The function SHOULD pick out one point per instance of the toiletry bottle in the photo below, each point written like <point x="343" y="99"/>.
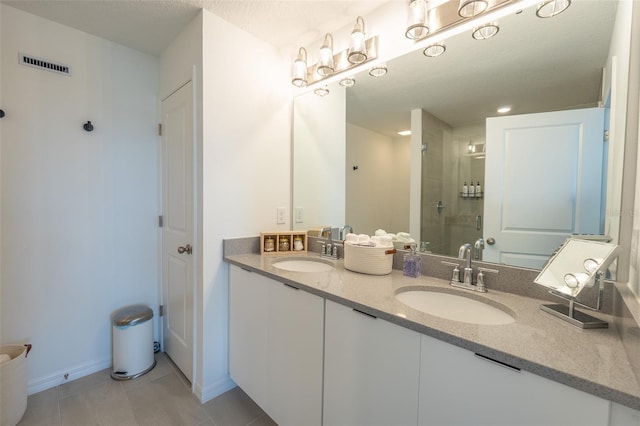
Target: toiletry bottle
<point x="478" y="190"/>
<point x="412" y="264"/>
<point x="472" y="190"/>
<point x="465" y="190"/>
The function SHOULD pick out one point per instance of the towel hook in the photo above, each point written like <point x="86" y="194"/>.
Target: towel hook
<point x="88" y="126"/>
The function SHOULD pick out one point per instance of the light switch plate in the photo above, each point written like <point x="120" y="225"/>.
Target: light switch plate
<point x="299" y="212"/>
<point x="282" y="215"/>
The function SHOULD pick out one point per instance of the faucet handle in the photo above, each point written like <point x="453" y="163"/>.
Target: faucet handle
<point x="481" y="285"/>
<point x="455" y="276"/>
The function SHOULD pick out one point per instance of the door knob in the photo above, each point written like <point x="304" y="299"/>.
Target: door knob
<point x="186" y="249"/>
<point x="491" y="241"/>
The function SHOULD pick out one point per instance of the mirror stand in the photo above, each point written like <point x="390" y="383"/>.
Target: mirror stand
<point x="572" y="315"/>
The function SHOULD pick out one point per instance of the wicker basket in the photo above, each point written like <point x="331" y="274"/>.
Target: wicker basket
<point x="368" y="260"/>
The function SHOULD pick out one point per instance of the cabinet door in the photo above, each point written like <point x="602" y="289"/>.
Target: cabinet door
<point x="371" y="370"/>
<point x="458" y="388"/>
<point x="248" y="334"/>
<point x="294" y="376"/>
<point x="623" y="416"/>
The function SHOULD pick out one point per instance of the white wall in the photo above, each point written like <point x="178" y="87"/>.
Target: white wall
<point x="79" y="217"/>
<point x="319" y="158"/>
<point x="400" y="183"/>
<point x="246" y="168"/>
<point x="369" y="189"/>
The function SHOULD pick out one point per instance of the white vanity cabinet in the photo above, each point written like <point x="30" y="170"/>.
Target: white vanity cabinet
<point x="276" y="346"/>
<point x="248" y="332"/>
<point x="459" y="388"/>
<point x="371" y="370"/>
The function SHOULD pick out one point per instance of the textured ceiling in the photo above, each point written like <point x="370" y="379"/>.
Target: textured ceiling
<point x="533" y="64"/>
<point x="150" y="25"/>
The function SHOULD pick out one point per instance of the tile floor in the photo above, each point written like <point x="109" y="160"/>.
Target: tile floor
<point x="160" y="397"/>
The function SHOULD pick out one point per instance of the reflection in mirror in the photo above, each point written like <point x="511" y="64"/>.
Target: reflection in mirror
<point x="535" y="66"/>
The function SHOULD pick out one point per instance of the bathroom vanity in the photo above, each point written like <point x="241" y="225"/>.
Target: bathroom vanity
<point x="338" y="347"/>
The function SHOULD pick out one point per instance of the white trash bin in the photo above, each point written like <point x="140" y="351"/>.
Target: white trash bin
<point x="132" y="342"/>
<point x="13" y="383"/>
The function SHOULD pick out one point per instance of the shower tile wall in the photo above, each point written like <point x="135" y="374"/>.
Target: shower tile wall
<point x="436" y="134"/>
<point x="466" y="214"/>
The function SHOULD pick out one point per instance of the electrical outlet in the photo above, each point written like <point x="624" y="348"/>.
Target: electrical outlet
<point x="299" y="214"/>
<point x="281" y="214"/>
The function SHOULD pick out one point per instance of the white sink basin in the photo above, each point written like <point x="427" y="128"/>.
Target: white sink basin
<point x="455" y="307"/>
<point x="303" y="265"/>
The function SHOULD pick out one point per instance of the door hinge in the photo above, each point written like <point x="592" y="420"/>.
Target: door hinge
<point x="161" y="310"/>
<point x="159" y="129"/>
<point x="160" y="221"/>
<point x="606" y="135"/>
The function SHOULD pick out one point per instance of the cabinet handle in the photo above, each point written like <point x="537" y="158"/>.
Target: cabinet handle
<point x="364" y="313"/>
<point x="290" y="286"/>
<point x="495" y="361"/>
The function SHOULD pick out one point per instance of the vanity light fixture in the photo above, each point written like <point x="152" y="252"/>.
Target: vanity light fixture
<point x="378" y="71"/>
<point x="357" y="48"/>
<point x="347" y="82"/>
<point x="300" y="69"/>
<point x="331" y="64"/>
<point x="434" y="50"/>
<point x="417" y="27"/>
<point x="438" y="20"/>
<point x="471" y="8"/>
<point x="549" y="8"/>
<point x="326" y="65"/>
<point x="322" y="91"/>
<point x="485" y="31"/>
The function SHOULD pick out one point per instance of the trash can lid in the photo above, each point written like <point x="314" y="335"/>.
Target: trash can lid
<point x="132" y="315"/>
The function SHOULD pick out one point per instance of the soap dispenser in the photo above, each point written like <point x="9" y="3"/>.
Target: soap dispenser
<point x="412" y="263"/>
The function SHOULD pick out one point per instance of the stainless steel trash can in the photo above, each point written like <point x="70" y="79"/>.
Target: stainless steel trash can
<point x="132" y="342"/>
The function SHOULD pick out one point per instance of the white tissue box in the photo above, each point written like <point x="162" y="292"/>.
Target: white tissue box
<point x="368" y="260"/>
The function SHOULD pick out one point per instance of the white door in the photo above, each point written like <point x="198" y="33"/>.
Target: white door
<point x="177" y="231"/>
<point x="543" y="176"/>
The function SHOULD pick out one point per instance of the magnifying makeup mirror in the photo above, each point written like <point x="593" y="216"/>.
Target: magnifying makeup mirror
<point x="576" y="265"/>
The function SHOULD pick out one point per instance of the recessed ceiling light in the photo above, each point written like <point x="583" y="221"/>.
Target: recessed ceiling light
<point x="504" y="109"/>
<point x="404" y="132"/>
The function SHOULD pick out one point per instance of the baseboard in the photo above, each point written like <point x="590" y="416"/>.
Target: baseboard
<point x="44" y="383"/>
<point x="215" y="389"/>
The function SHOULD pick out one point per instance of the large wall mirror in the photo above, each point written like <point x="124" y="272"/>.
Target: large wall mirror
<point x="551" y="72"/>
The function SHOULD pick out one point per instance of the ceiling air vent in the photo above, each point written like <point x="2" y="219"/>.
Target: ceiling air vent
<point x="43" y="64"/>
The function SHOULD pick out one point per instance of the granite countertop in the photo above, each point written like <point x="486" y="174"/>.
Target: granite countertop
<point x="593" y="360"/>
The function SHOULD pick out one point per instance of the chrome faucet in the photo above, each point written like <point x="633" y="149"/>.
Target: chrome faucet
<point x="467" y="281"/>
<point x="323" y="230"/>
<point x="346" y="229"/>
<point x="465" y="253"/>
<point x="477" y="248"/>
